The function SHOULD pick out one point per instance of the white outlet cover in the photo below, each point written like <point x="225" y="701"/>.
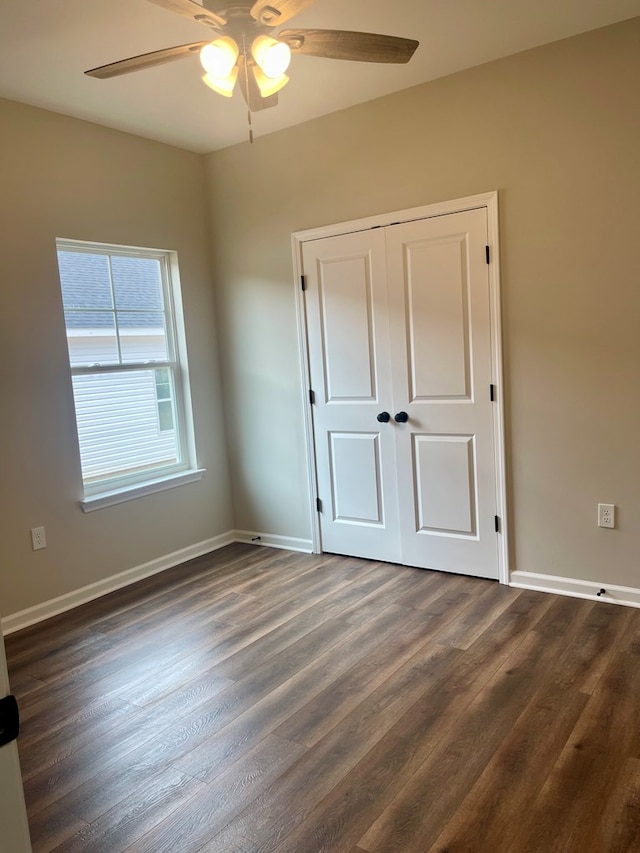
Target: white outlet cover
<point x="38" y="538"/>
<point x="606" y="515"/>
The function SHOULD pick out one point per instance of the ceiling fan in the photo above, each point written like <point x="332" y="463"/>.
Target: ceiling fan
<point x="245" y="51"/>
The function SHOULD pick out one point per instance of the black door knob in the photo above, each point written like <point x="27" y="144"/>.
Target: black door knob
<point x="383" y="417"/>
<point x="401" y="418"/>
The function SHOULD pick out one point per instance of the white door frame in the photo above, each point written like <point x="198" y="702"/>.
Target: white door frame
<point x="484" y="200"/>
<point x="14" y="835"/>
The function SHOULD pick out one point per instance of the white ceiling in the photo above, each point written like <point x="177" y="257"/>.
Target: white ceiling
<point x="45" y="45"/>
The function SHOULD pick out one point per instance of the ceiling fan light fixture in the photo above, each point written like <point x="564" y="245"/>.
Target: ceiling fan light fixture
<point x="219" y="57"/>
<point x="268" y="85"/>
<point x="272" y="56"/>
<point x="222" y="85"/>
<point x="242" y="51"/>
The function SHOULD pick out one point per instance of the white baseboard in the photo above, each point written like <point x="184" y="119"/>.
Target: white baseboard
<point x="627" y="595"/>
<point x="271" y="540"/>
<point x="43" y="611"/>
<point x="39" y="612"/>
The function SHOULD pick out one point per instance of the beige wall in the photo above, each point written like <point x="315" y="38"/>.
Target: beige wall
<point x="60" y="177"/>
<point x="556" y="131"/>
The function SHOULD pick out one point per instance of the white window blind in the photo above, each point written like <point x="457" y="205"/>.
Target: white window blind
<point x="129" y="380"/>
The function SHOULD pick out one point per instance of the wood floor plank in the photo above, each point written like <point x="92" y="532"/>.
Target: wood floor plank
<point x="344" y="648"/>
<point x="51" y="826"/>
<point x="520" y="767"/>
<point x="485" y="608"/>
<point x="179" y="686"/>
<point x="32" y="641"/>
<point x="109" y="677"/>
<point x="302" y="618"/>
<point x="103" y="791"/>
<point x="567" y="813"/>
<point x="454" y="755"/>
<point x="271" y="819"/>
<point x="562" y="616"/>
<point x="76" y="628"/>
<point x="123" y="664"/>
<point x="105" y="752"/>
<point x="175" y="739"/>
<point x="618" y="830"/>
<point x="588" y="656"/>
<point x="345" y="814"/>
<point x="195" y="603"/>
<point x="225" y="641"/>
<point x="515" y="773"/>
<point x="123" y="824"/>
<point x="261" y="701"/>
<point x="318" y="716"/>
<point x="390" y="589"/>
<point x="74" y="654"/>
<point x="42" y="749"/>
<point x="426" y="586"/>
<point x="23" y="685"/>
<point x="207" y="813"/>
<point x="227" y="841"/>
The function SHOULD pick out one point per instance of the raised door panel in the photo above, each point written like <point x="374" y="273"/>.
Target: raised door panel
<point x="345" y="298"/>
<point x="354" y="469"/>
<point x="444" y="481"/>
<point x="438" y="318"/>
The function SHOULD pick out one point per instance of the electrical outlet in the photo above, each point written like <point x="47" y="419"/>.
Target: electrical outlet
<point x="606" y="515"/>
<point x="38" y="538"/>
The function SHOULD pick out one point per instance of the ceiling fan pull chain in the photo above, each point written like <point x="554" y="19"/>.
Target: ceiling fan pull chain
<point x="246" y="80"/>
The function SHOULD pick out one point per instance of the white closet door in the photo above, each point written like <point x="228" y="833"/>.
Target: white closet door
<point x="348" y="337"/>
<point x="441" y="367"/>
<point x="399" y="322"/>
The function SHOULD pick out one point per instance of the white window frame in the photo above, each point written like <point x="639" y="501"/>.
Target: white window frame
<point x="160" y="401"/>
<point x="108" y="491"/>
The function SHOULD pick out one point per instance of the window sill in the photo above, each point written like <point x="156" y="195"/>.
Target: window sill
<point x="118" y="496"/>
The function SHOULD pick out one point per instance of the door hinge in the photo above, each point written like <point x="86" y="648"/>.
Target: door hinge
<point x="496" y="522"/>
<point x="303" y="285"/>
<point x="492" y="393"/>
<point x="312" y="397"/>
<point x="318" y="505"/>
<point x="487" y="254"/>
<point x="9" y="720"/>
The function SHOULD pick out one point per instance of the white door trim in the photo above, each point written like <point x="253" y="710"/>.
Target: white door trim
<point x="13" y="813"/>
<point x="484" y="200"/>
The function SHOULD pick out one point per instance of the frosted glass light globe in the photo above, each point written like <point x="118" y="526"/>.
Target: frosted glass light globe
<point x="272" y="56"/>
<point x="219" y="57"/>
<point x="268" y="85"/>
<point x="222" y="85"/>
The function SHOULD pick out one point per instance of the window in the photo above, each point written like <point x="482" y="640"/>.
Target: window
<point x="165" y="399"/>
<point x="128" y="369"/>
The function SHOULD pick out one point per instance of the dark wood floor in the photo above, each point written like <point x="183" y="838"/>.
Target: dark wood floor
<point x="257" y="700"/>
